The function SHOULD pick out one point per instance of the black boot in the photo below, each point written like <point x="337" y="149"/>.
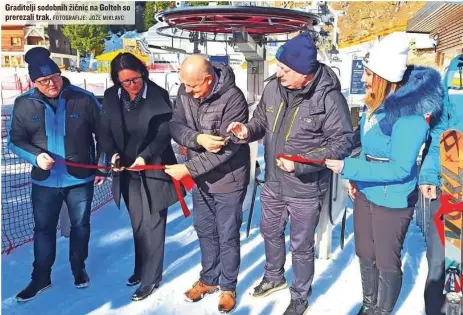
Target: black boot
<point x="297" y="307"/>
<point x="389" y="287"/>
<point x="133" y="280"/>
<point x="143" y="292"/>
<point x="370" y="275"/>
<point x="266" y="287"/>
<point x="33" y="288"/>
<point x="81" y="279"/>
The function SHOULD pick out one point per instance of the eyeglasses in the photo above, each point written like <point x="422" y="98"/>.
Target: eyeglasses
<point x="47" y="82"/>
<point x="129" y="82"/>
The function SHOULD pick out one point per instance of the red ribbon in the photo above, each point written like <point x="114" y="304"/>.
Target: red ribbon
<point x="186" y="181"/>
<point x="446" y="207"/>
<point x="298" y="159"/>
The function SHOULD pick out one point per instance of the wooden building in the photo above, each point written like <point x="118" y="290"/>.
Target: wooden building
<point x="443" y="21"/>
<point x="13" y="40"/>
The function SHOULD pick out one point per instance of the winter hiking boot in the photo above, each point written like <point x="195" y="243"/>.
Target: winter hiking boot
<point x="199" y="290"/>
<point x="143" y="292"/>
<point x="33" y="288"/>
<point x="227" y="301"/>
<point x="370" y="276"/>
<point x="133" y="280"/>
<point x="81" y="279"/>
<point x="266" y="287"/>
<point x="297" y="307"/>
<point x="389" y="287"/>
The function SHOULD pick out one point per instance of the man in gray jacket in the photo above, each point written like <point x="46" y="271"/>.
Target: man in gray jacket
<point x="302" y="113"/>
<point x="207" y="102"/>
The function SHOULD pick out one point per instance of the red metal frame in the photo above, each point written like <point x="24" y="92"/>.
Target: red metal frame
<point x="226" y="19"/>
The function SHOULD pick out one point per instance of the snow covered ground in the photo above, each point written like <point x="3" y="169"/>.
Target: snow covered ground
<point x="336" y="287"/>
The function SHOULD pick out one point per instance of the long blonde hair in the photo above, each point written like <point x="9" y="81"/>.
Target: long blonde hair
<point x="381" y="89"/>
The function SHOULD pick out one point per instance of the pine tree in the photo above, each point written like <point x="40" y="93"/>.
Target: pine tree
<point x="85" y="38"/>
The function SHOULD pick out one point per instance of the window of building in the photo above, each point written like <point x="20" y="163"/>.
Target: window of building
<point x="15" y="41"/>
<point x="57" y="43"/>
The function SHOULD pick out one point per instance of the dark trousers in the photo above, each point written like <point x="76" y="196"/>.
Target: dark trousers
<point x="434" y="299"/>
<point x="217" y="219"/>
<point x="380" y="233"/>
<point x="304" y="214"/>
<point x="46" y="207"/>
<point x="149" y="230"/>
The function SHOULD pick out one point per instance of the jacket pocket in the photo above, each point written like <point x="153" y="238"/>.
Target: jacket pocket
<point x="304" y="127"/>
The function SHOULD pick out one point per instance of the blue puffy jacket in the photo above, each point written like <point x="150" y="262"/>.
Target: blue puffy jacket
<point x="386" y="171"/>
<point x="451" y="118"/>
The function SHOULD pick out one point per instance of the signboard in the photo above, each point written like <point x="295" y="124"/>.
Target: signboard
<point x="356" y="84"/>
<point x="221" y="59"/>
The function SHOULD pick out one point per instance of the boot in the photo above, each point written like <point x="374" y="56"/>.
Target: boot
<point x="143" y="292"/>
<point x="33" y="288"/>
<point x="227" y="301"/>
<point x="370" y="275"/>
<point x="266" y="287"/>
<point x="389" y="287"/>
<point x="199" y="290"/>
<point x="133" y="280"/>
<point x="81" y="279"/>
<point x="297" y="307"/>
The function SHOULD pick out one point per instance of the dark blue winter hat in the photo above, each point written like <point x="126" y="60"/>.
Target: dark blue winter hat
<point x="39" y="63"/>
<point x="300" y="54"/>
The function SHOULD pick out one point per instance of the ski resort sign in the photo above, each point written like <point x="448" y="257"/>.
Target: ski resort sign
<point x="356" y="84"/>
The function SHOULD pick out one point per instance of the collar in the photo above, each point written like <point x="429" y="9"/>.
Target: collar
<point x="145" y="91"/>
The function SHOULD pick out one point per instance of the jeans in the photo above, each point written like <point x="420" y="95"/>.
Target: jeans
<point x="46" y="205"/>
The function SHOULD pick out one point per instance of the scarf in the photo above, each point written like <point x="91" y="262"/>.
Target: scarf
<point x="127" y="102"/>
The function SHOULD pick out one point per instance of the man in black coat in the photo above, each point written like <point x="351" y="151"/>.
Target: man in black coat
<point x="207" y="102"/>
<point x="303" y="113"/>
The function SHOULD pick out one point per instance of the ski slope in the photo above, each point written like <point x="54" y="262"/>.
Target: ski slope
<point x="336" y="286"/>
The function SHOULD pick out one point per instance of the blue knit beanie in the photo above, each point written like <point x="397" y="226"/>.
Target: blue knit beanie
<point x="39" y="63"/>
<point x="299" y="54"/>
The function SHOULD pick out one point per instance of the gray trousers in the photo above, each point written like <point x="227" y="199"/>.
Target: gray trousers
<point x="304" y="215"/>
<point x="217" y="219"/>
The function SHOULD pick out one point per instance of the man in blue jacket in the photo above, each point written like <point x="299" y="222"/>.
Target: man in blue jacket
<point x="430" y="182"/>
<point x="50" y="124"/>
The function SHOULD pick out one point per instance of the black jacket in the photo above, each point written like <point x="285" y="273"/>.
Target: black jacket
<point x="66" y="133"/>
<point x="316" y="125"/>
<point x="154" y="143"/>
<point x="228" y="170"/>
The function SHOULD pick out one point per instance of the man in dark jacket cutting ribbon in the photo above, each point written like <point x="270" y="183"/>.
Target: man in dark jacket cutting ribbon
<point x="207" y="102"/>
<point x="302" y="114"/>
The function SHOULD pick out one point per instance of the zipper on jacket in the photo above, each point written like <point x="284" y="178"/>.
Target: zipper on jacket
<point x="291" y="124"/>
<point x="278" y="115"/>
<point x="385" y="190"/>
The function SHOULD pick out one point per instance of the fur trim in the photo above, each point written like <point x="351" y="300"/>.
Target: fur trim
<point x="422" y="94"/>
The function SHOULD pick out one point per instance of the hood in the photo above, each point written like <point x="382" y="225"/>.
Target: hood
<point x="325" y="80"/>
<point x="422" y="94"/>
<point x="226" y="78"/>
